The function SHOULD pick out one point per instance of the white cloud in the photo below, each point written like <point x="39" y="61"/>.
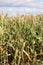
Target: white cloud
<point x="15" y="1"/>
<point x="32" y="3"/>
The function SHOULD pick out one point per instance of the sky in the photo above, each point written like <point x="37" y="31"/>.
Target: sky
<point x="21" y="6"/>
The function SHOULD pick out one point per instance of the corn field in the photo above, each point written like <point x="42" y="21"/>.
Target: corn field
<point x="21" y="40"/>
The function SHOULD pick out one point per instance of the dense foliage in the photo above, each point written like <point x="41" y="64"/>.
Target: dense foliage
<point x="21" y="40"/>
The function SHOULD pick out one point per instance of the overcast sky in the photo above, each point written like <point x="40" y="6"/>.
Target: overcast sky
<point x="21" y="6"/>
